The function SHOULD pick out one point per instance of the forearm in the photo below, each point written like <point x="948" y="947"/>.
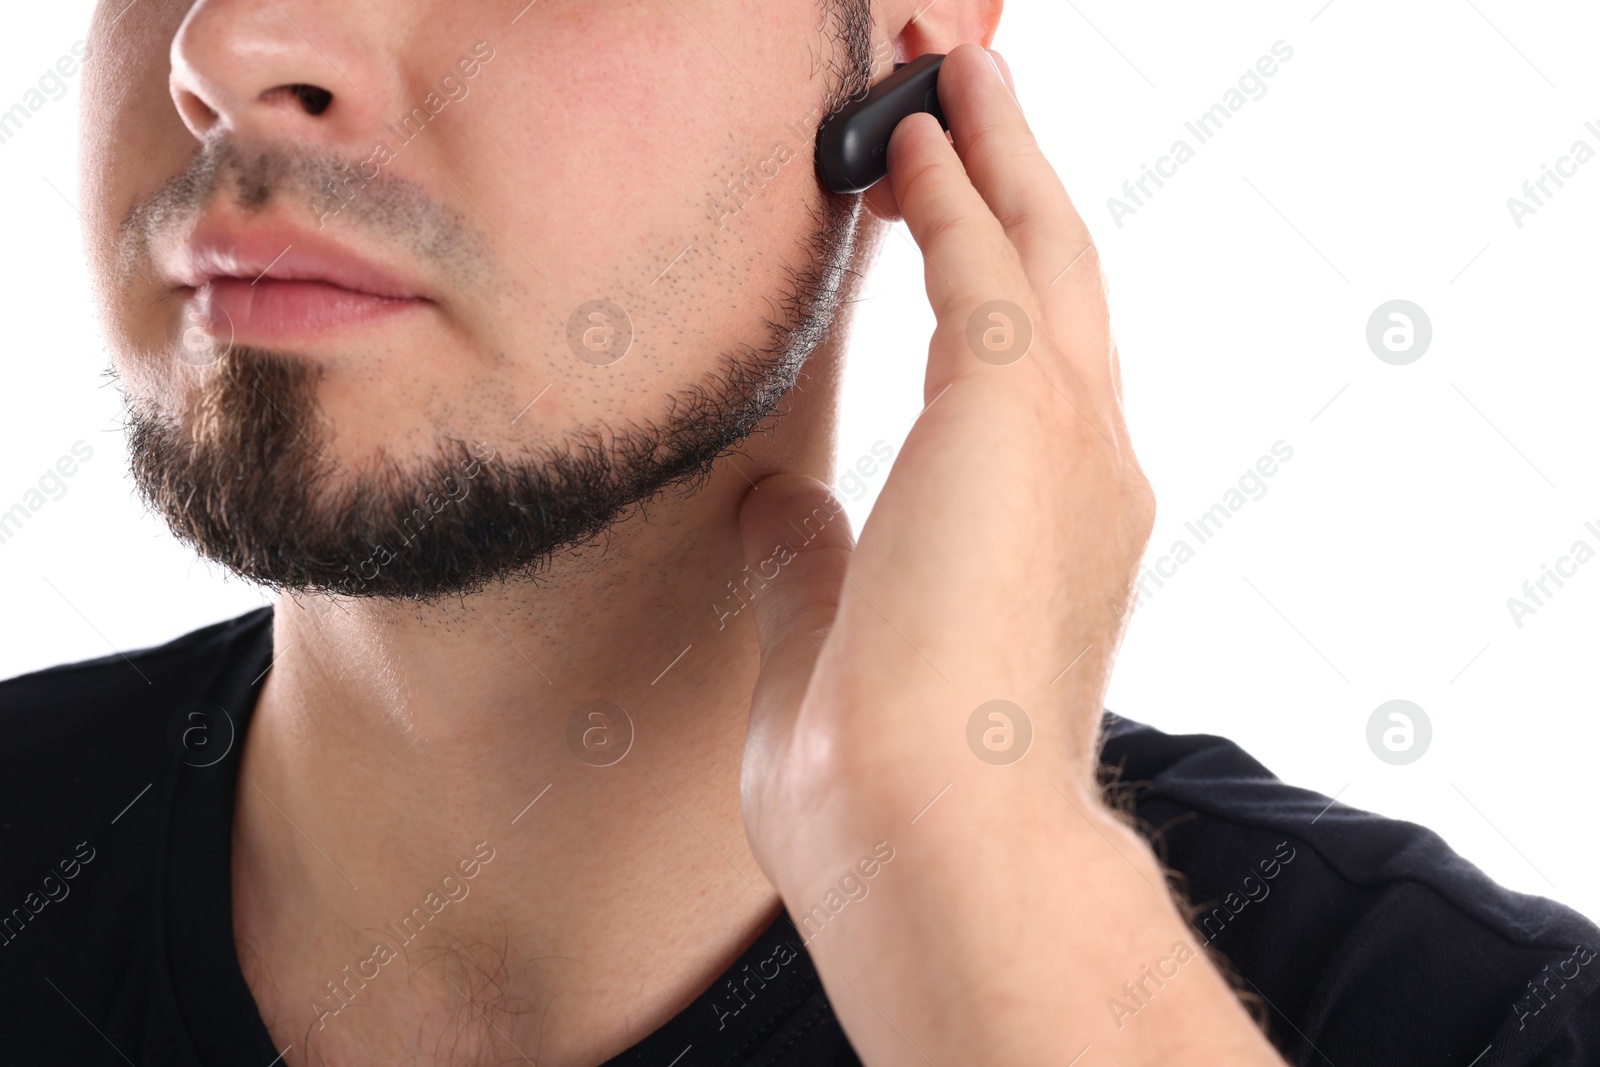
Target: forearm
<point x="1031" y="948"/>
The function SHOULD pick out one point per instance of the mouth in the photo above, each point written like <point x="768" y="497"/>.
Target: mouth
<point x="277" y="285"/>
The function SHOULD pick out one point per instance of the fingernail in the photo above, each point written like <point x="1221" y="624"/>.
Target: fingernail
<point x="994" y="61"/>
<point x="1002" y="70"/>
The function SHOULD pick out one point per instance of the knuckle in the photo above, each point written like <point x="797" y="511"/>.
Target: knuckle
<point x="990" y="140"/>
<point x="921" y="176"/>
<point x="1140" y="508"/>
<point x="940" y="226"/>
<point x="1146" y="504"/>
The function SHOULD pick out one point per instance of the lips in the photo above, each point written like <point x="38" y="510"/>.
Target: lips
<point x="281" y="285"/>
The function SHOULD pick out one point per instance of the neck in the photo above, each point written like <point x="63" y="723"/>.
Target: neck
<point x="393" y="745"/>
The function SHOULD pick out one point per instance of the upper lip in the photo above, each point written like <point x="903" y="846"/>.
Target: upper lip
<point x="216" y="252"/>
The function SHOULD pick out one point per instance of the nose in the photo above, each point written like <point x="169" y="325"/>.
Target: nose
<point x="282" y="70"/>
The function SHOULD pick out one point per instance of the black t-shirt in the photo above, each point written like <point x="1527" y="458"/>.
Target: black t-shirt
<point x="1360" y="940"/>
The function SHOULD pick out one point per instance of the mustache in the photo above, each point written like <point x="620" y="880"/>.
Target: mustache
<point x="324" y="188"/>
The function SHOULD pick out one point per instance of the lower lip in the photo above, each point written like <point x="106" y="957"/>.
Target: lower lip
<point x="270" y="311"/>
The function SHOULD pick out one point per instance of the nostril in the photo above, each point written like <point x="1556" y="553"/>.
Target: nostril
<point x="196" y="113"/>
<point x="313" y="98"/>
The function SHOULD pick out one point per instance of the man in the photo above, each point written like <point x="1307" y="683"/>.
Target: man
<point x="503" y="342"/>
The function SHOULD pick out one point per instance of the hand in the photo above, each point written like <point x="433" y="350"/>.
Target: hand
<point x="997" y="565"/>
<point x="1005" y="540"/>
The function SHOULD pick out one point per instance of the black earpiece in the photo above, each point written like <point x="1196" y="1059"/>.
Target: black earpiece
<point x="853" y="144"/>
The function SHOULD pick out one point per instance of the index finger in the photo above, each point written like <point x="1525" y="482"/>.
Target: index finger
<point x="1021" y="188"/>
<point x="969" y="259"/>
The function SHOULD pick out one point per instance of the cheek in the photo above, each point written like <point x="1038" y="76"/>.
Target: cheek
<point x="621" y="158"/>
<point x="126" y="103"/>
<point x="651" y="174"/>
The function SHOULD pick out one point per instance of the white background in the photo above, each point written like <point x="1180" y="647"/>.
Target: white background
<point x="1379" y="562"/>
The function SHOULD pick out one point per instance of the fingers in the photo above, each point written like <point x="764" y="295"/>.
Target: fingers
<point x="1006" y="165"/>
<point x="880" y="197"/>
<point x="797" y="543"/>
<point x="1007" y="168"/>
<point x="996" y="228"/>
<point x="968" y="257"/>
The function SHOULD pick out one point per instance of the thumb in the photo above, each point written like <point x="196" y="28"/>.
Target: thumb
<point x="797" y="544"/>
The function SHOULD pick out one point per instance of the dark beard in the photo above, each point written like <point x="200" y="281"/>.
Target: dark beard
<point x="249" y="483"/>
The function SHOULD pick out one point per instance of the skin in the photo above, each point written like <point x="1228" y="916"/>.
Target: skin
<point x="389" y="740"/>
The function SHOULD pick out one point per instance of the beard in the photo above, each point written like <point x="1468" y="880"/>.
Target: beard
<point x="245" y="475"/>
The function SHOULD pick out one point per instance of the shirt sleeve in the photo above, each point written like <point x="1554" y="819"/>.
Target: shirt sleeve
<point x="1356" y="939"/>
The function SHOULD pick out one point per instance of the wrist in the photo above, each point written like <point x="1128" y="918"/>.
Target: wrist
<point x="1015" y="944"/>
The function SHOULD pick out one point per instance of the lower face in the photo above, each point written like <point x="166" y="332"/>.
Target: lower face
<point x="614" y="255"/>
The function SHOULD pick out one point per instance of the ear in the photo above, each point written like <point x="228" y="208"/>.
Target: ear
<point x="922" y="26"/>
